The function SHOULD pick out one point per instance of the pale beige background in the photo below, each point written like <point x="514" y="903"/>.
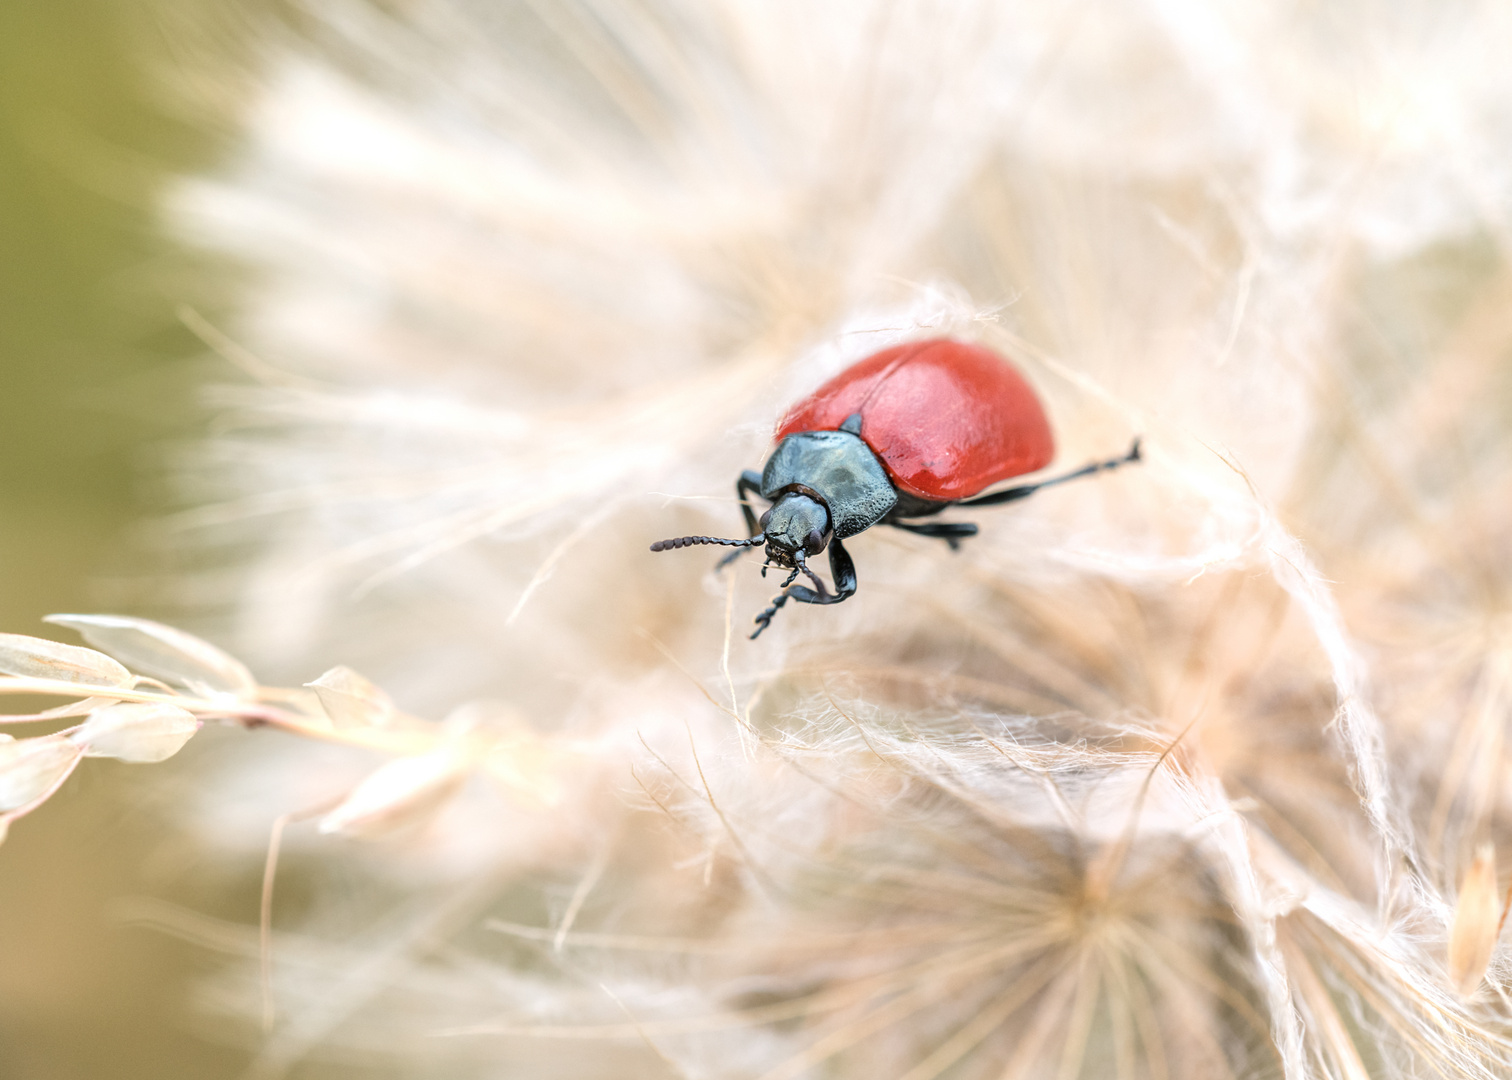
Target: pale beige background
<point x="93" y="375"/>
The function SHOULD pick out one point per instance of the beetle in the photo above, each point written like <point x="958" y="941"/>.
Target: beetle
<point x="893" y="438"/>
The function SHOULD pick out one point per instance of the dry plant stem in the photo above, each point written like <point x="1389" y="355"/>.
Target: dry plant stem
<point x="249" y="714"/>
<point x="645" y="1035"/>
<point x="265" y="907"/>
<point x="1330" y="1028"/>
<point x="1101" y="874"/>
<point x="927" y="933"/>
<point x="76" y="708"/>
<point x="985" y="1022"/>
<point x="580" y="897"/>
<point x="962" y="961"/>
<point x="549" y="564"/>
<point x="265" y="918"/>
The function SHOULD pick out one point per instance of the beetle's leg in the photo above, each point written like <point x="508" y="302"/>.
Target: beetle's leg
<point x="952" y="532"/>
<point x="765" y="618"/>
<point x="841" y="569"/>
<point x="1010" y="494"/>
<point x="750" y="481"/>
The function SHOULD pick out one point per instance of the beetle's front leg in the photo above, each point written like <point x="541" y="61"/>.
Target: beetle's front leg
<point x="749" y="483"/>
<point x="842" y="569"/>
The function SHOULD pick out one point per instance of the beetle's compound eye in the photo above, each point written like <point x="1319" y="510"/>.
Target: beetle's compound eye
<point x="813" y="543"/>
<point x="766" y="518"/>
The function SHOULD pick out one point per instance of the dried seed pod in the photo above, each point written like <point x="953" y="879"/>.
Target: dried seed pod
<point x="1477" y="922"/>
<point x="400" y="794"/>
<point x="38" y="658"/>
<point x="142" y="733"/>
<point x="163" y="652"/>
<point x="30" y="768"/>
<point x="350" y="700"/>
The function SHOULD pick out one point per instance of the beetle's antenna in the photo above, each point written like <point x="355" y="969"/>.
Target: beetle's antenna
<point x="691" y="541"/>
<point x="737" y="553"/>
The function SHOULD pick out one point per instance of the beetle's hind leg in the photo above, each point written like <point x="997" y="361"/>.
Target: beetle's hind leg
<point x="749" y="482"/>
<point x="997" y="498"/>
<point x="952" y="532"/>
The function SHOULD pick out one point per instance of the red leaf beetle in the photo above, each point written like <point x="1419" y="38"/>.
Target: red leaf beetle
<point x="900" y="435"/>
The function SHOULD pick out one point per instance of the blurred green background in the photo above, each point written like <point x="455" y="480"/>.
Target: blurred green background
<point x="94" y="374"/>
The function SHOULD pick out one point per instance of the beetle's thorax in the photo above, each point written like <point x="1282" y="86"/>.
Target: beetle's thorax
<point x="834" y="470"/>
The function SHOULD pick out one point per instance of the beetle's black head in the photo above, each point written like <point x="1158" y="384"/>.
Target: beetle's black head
<point x="796" y="528"/>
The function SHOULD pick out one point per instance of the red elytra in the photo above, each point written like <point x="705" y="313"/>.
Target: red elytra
<point x="945" y="418"/>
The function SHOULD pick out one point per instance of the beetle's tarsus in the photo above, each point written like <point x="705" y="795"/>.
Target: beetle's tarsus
<point x="765" y="618"/>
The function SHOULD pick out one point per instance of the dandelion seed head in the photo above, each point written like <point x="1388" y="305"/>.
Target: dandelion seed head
<point x="1182" y="772"/>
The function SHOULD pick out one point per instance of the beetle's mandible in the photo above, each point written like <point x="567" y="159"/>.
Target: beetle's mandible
<point x="893" y="438"/>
